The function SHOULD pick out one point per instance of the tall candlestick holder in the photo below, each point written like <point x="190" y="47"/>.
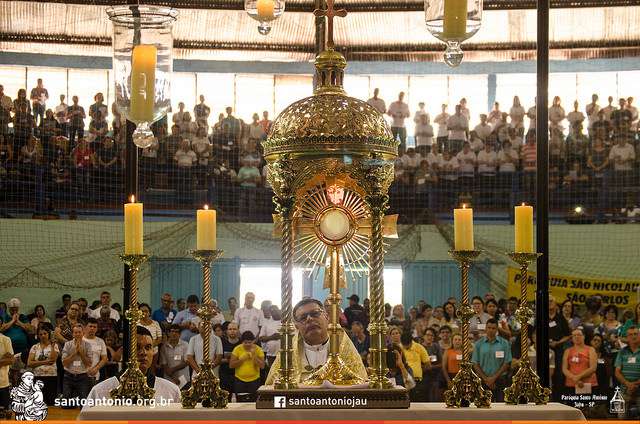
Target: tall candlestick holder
<point x="205" y="387"/>
<point x="133" y="383"/>
<point x="526" y="385"/>
<point x="466" y="386"/>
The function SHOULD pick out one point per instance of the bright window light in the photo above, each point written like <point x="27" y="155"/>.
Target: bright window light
<point x="264" y="282"/>
<point x="393" y="285"/>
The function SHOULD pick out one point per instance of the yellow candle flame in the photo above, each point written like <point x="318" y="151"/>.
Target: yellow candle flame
<point x="133" y="199"/>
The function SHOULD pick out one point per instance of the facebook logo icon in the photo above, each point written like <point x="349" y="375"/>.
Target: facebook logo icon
<point x="279" y="401"/>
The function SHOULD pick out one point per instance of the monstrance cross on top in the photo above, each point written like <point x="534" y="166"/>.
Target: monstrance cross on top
<point x="330" y="13"/>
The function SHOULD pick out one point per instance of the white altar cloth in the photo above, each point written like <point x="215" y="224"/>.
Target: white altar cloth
<point x="417" y="411"/>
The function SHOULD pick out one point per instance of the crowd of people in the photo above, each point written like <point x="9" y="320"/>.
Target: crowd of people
<point x="593" y="348"/>
<point x="68" y="154"/>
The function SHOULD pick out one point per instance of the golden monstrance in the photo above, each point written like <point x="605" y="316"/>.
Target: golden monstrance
<point x="330" y="159"/>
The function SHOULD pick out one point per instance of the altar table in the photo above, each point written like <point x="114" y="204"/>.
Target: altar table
<point x="417" y="411"/>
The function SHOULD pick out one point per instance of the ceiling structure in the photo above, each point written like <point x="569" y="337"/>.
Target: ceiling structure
<point x="375" y="30"/>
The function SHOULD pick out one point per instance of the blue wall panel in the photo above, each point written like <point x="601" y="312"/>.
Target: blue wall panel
<point x="435" y="281"/>
<point x="357" y="285"/>
<point x="182" y="277"/>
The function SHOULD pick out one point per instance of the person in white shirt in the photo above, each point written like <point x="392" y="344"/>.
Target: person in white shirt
<point x="165" y="390"/>
<point x="449" y="167"/>
<point x="105" y="300"/>
<point x="60" y="113"/>
<point x="592" y="110"/>
<point x="475" y="142"/>
<point x="556" y="114"/>
<point x="270" y="336"/>
<point x="507" y="159"/>
<point x="401" y="177"/>
<point x="178" y="116"/>
<point x="517" y="114"/>
<point x="185" y="157"/>
<point x="377" y="103"/>
<point x="443" y="131"/>
<point x="531" y="114"/>
<point x="97" y="352"/>
<point x="501" y="128"/>
<point x="622" y="155"/>
<point x="195" y="351"/>
<point x="249" y="318"/>
<point x="410" y="160"/>
<point x="464" y="110"/>
<point x="76" y="361"/>
<point x="575" y="116"/>
<point x="458" y="126"/>
<point x="515" y="139"/>
<point x="399" y="111"/>
<point x="634" y="113"/>
<point x="608" y="110"/>
<point x="420" y="113"/>
<point x="467" y="161"/>
<point x="173" y="357"/>
<point x="483" y="129"/>
<point x="423" y="134"/>
<point x="434" y="158"/>
<point x="495" y="115"/>
<point x="448" y="177"/>
<point x="487" y="162"/>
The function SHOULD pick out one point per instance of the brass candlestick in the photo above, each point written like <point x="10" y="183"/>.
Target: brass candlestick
<point x="285" y="201"/>
<point x="334" y="370"/>
<point x="526" y="385"/>
<point x="378" y="201"/>
<point x="133" y="383"/>
<point x="205" y="387"/>
<point x="466" y="386"/>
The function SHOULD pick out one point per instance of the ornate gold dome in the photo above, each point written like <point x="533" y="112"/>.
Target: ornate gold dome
<point x="329" y="122"/>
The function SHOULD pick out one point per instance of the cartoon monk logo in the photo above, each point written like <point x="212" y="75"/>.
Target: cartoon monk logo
<point x="27" y="400"/>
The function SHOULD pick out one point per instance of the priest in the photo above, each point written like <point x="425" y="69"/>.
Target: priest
<point x="311" y="344"/>
<point x="165" y="390"/>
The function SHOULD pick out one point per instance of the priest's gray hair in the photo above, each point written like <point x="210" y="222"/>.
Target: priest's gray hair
<point x="306" y="301"/>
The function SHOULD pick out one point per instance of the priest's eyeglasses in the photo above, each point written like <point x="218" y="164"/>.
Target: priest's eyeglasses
<point x="313" y="314"/>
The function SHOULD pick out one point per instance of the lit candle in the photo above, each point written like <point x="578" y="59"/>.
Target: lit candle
<point x="266" y="9"/>
<point x="524" y="229"/>
<point x="133" y="228"/>
<point x="455" y="19"/>
<point x="206" y="234"/>
<point x="143" y="81"/>
<point x="463" y="228"/>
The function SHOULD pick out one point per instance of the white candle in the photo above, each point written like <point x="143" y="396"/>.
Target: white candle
<point x="463" y="228"/>
<point x="524" y="229"/>
<point x="133" y="230"/>
<point x="206" y="229"/>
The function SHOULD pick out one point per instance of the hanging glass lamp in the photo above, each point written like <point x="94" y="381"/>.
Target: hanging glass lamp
<point x="142" y="64"/>
<point x="265" y="12"/>
<point x="453" y="21"/>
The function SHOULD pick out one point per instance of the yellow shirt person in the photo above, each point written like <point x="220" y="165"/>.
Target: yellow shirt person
<point x="416" y="355"/>
<point x="247" y="360"/>
<point x="248" y="369"/>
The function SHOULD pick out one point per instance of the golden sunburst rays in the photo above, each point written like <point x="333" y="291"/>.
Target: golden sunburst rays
<point x="311" y="251"/>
